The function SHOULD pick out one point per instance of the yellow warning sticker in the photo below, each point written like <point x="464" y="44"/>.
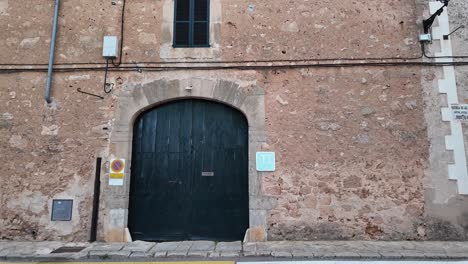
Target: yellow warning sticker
<point x="116" y="175"/>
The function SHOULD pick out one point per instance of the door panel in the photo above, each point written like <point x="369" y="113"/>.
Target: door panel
<point x="189" y="173"/>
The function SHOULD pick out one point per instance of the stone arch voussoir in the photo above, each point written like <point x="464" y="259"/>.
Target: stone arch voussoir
<point x="136" y="99"/>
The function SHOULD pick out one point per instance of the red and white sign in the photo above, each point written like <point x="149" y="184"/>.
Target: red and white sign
<point x="116" y="172"/>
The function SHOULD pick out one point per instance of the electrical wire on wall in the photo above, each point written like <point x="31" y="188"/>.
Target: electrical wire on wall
<point x="243" y="67"/>
<point x="107" y="86"/>
<point x="440" y="57"/>
<point x="394" y="60"/>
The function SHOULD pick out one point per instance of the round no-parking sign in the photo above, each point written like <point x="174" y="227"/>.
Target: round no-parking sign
<point x="117" y="172"/>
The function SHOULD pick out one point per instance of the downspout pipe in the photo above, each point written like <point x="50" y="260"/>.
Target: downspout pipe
<point x="52" y="53"/>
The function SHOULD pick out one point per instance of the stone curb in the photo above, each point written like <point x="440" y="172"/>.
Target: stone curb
<point x="319" y="250"/>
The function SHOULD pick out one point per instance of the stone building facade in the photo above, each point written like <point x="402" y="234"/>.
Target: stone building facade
<point x="338" y="90"/>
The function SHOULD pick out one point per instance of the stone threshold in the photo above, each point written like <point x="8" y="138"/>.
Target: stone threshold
<point x="196" y="250"/>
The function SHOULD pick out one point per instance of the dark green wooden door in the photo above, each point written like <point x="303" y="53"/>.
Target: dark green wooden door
<point x="189" y="173"/>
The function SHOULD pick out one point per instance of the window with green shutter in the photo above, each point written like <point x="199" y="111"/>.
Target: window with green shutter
<point x="191" y="23"/>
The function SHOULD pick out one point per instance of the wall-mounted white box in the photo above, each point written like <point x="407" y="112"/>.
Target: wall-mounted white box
<point x="110" y="47"/>
<point x="425" y="38"/>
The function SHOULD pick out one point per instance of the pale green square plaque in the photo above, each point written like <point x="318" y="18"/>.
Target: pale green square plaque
<point x="266" y="161"/>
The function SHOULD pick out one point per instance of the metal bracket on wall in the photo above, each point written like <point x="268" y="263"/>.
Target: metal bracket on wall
<point x="83" y="92"/>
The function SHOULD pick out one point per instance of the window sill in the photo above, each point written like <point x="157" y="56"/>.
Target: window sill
<point x="188" y="47"/>
<point x="169" y="52"/>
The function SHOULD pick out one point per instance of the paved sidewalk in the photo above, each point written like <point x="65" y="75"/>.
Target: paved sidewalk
<point x="147" y="251"/>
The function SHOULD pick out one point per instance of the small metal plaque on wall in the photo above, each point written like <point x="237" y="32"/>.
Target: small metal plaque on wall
<point x="266" y="161"/>
<point x="62" y="210"/>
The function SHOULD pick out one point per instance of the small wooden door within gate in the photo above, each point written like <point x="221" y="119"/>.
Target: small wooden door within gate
<point x="189" y="177"/>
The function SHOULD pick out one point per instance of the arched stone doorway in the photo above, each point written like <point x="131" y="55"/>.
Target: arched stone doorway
<point x="136" y="99"/>
<point x="189" y="178"/>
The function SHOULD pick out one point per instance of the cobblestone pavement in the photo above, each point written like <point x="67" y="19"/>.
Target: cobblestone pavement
<point x="148" y="251"/>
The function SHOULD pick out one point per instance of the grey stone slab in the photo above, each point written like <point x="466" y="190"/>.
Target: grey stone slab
<point x="202" y="246"/>
<point x="16" y="251"/>
<point x="302" y="254"/>
<point x="18" y="257"/>
<point x="107" y="247"/>
<point x="435" y="255"/>
<point x="326" y="254"/>
<point x="249" y="246"/>
<point x="415" y="254"/>
<point x="141" y="255"/>
<point x="214" y="254"/>
<point x="177" y="254"/>
<point x="160" y="254"/>
<point x="184" y="246"/>
<point x="281" y="254"/>
<point x="203" y="254"/>
<point x="457" y="255"/>
<point x="229" y="254"/>
<point x="55" y="257"/>
<point x="263" y="253"/>
<point x="77" y="244"/>
<point x="390" y="254"/>
<point x="100" y="254"/>
<point x="346" y="254"/>
<point x="165" y="247"/>
<point x="229" y="246"/>
<point x="139" y="246"/>
<point x="369" y="254"/>
<point x="269" y="246"/>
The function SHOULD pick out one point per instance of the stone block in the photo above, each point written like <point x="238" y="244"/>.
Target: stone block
<point x="412" y="253"/>
<point x="201" y="254"/>
<point x="106" y="247"/>
<point x="214" y="254"/>
<point x="249" y="246"/>
<point x="203" y="246"/>
<point x="160" y="254"/>
<point x="343" y="254"/>
<point x="109" y="255"/>
<point x="139" y="246"/>
<point x="141" y="255"/>
<point x="177" y="254"/>
<point x="281" y="254"/>
<point x="390" y="254"/>
<point x="256" y="234"/>
<point x="369" y="254"/>
<point x="258" y="218"/>
<point x="166" y="246"/>
<point x="435" y="255"/>
<point x="263" y="203"/>
<point x="302" y="254"/>
<point x="229" y="254"/>
<point x="229" y="246"/>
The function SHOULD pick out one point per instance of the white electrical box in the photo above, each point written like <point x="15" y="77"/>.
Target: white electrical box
<point x="425" y="38"/>
<point x="110" y="47"/>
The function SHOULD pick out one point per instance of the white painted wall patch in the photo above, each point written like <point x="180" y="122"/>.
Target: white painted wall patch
<point x="454" y="142"/>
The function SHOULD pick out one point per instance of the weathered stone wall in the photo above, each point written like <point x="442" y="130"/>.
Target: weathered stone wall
<point x="49" y="151"/>
<point x="299" y="29"/>
<point x="256" y="29"/>
<point x="352" y="150"/>
<point x="351" y="143"/>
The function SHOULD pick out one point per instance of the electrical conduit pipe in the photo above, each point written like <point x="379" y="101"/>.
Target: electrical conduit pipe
<point x="52" y="53"/>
